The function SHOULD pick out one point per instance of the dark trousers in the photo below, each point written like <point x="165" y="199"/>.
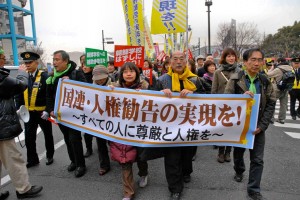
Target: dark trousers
<point x="103" y="153"/>
<point x="178" y="162"/>
<point x="88" y="141"/>
<point x="256" y="162"/>
<point x="142" y="165"/>
<point x="224" y="149"/>
<point x="73" y="142"/>
<point x="187" y="156"/>
<point x="294" y="95"/>
<point x="30" y="136"/>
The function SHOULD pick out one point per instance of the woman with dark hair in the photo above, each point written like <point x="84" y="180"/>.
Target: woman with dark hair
<point x="112" y="70"/>
<point x="210" y="68"/>
<point x="129" y="78"/>
<point x="228" y="66"/>
<point x="165" y="66"/>
<point x="192" y="66"/>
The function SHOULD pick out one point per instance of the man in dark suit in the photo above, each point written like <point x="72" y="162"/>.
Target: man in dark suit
<point x="34" y="98"/>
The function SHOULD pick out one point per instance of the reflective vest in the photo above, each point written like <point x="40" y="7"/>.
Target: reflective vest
<point x="297" y="81"/>
<point x="34" y="92"/>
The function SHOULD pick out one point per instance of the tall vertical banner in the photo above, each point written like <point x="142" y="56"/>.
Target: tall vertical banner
<point x="167" y="47"/>
<point x="133" y="12"/>
<point x="175" y="41"/>
<point x="149" y="48"/>
<point x="168" y="16"/>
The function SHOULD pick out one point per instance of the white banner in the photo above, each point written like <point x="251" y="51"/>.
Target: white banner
<point x="149" y="118"/>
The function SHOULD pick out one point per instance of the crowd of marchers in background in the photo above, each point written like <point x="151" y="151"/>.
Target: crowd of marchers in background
<point x="36" y="89"/>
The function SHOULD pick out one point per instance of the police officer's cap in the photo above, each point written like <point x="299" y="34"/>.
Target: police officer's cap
<point x="29" y="56"/>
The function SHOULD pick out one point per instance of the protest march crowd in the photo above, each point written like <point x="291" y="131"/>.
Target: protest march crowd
<point x="36" y="89"/>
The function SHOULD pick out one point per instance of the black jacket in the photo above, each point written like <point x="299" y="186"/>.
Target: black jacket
<point x="73" y="74"/>
<point x="9" y="87"/>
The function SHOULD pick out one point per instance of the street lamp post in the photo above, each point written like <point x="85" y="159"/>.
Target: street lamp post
<point x="208" y="3"/>
<point x="104" y="40"/>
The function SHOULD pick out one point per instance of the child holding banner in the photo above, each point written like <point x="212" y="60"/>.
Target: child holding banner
<point x="126" y="154"/>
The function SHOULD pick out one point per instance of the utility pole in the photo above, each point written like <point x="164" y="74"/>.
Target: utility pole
<point x="103" y="40"/>
<point x="199" y="50"/>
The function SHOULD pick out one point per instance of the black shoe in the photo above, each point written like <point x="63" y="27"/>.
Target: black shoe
<point x="49" y="161"/>
<point x="32" y="164"/>
<point x="34" y="190"/>
<point x="88" y="153"/>
<point x="255" y="196"/>
<point x="175" y="196"/>
<point x="238" y="177"/>
<point x="298" y="115"/>
<point x="294" y="117"/>
<point x="4" y="195"/>
<point x="187" y="178"/>
<point x="280" y="121"/>
<point x="80" y="171"/>
<point x="71" y="167"/>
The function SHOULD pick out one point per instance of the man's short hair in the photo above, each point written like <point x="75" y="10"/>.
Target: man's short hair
<point x="64" y="55"/>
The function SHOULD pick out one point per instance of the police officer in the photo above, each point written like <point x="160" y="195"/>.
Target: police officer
<point x="295" y="92"/>
<point x="34" y="98"/>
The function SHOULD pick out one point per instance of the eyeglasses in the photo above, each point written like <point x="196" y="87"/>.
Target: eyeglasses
<point x="256" y="60"/>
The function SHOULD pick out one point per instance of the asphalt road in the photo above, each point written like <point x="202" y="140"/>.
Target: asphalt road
<point x="210" y="179"/>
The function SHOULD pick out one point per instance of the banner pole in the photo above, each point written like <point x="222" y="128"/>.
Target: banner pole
<point x="187" y="31"/>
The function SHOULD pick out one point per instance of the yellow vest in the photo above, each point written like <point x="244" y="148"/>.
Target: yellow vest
<point x="34" y="92"/>
<point x="296" y="82"/>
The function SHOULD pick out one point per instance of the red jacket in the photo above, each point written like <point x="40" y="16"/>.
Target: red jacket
<point x="122" y="153"/>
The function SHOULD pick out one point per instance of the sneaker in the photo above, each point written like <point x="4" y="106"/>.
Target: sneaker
<point x="238" y="177"/>
<point x="255" y="196"/>
<point x="143" y="181"/>
<point x="280" y="121"/>
<point x="227" y="157"/>
<point x="34" y="190"/>
<point x="294" y="117"/>
<point x="221" y="158"/>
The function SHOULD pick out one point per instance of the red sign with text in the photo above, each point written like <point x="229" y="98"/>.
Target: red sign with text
<point x="125" y="54"/>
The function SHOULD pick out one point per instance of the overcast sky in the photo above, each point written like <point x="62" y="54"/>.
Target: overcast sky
<point x="73" y="25"/>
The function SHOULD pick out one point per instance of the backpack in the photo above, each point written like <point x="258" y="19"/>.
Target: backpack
<point x="287" y="81"/>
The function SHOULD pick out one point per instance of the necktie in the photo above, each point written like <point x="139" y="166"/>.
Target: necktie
<point x="252" y="87"/>
<point x="30" y="82"/>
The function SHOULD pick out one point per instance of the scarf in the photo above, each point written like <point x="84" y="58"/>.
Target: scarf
<point x="208" y="76"/>
<point x="57" y="74"/>
<point x="228" y="67"/>
<point x="189" y="85"/>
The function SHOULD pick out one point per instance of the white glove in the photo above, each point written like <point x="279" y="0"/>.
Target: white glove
<point x="45" y="115"/>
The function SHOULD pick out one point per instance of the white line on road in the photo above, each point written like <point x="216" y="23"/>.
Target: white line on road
<point x="293" y="134"/>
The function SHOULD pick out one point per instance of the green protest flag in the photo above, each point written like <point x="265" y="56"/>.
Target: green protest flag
<point x="95" y="57"/>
